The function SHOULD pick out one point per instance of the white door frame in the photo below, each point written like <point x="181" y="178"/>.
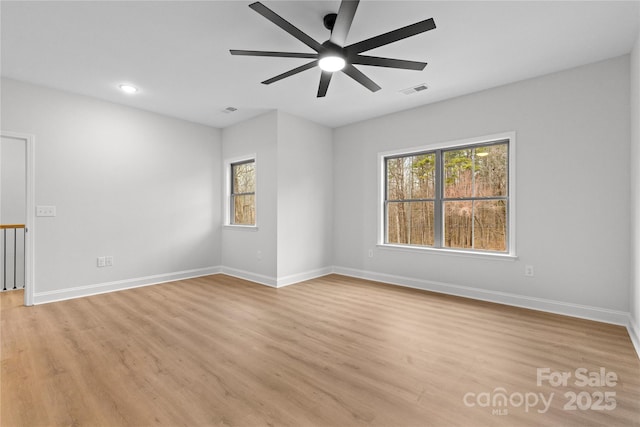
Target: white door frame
<point x="30" y="214"/>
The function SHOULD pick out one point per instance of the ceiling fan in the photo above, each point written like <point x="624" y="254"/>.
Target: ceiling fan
<point x="332" y="55"/>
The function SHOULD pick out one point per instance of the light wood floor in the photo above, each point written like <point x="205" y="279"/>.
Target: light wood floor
<point x="334" y="351"/>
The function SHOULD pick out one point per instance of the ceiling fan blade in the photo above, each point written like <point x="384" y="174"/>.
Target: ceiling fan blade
<point x="325" y="78"/>
<point x="291" y="72"/>
<point x="392" y="36"/>
<point x="275" y="54"/>
<point x="343" y="22"/>
<point x="356" y="75"/>
<point x="387" y="62"/>
<point x="285" y="25"/>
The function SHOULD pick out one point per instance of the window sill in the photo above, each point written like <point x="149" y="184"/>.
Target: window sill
<point x="240" y="227"/>
<point x="446" y="252"/>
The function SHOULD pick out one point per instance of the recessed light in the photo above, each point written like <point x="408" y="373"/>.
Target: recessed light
<point x="128" y="88"/>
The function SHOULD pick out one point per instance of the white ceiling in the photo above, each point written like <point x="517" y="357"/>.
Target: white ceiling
<point x="177" y="53"/>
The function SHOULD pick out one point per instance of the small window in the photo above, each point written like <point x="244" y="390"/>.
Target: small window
<point x="455" y="197"/>
<point x="242" y="201"/>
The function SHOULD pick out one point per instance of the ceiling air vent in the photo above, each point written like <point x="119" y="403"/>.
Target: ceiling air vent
<point x="414" y="89"/>
<point x="230" y="110"/>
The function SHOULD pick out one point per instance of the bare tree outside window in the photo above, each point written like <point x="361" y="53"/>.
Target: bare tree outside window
<point x="243" y="193"/>
<point x="410" y="199"/>
<point x="449" y="198"/>
<point x="475" y="197"/>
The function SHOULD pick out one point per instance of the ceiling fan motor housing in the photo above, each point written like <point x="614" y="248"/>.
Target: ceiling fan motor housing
<point x="332" y="49"/>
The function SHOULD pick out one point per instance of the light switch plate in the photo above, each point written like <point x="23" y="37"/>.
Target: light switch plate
<point x="45" y="211"/>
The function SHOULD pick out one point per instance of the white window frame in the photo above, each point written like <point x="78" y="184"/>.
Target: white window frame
<point x="511" y="210"/>
<point x="228" y="163"/>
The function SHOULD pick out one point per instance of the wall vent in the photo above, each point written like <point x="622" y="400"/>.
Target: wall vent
<point x="415" y="89"/>
<point x="230" y="110"/>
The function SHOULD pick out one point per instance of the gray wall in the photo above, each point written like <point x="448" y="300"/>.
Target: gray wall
<point x="240" y="246"/>
<point x="294" y="200"/>
<point x="134" y="185"/>
<point x="148" y="190"/>
<point x="572" y="190"/>
<point x="634" y="294"/>
<point x="305" y="197"/>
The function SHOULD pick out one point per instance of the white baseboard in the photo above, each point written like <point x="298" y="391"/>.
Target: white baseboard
<point x="101" y="288"/>
<point x="634" y="333"/>
<point x="301" y="277"/>
<point x="278" y="282"/>
<point x="252" y="277"/>
<point x="534" y="303"/>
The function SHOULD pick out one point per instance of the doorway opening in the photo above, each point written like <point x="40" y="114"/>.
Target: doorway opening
<point x="16" y="213"/>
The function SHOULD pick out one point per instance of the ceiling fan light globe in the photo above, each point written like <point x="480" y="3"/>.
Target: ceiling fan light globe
<point x="332" y="63"/>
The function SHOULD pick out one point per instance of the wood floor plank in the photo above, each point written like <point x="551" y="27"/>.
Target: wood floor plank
<point x="333" y="351"/>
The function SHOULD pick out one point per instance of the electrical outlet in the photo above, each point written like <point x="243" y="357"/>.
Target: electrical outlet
<point x="259" y="255"/>
<point x="528" y="270"/>
<point x="370" y="253"/>
<point x="101" y="261"/>
<point x="109" y="261"/>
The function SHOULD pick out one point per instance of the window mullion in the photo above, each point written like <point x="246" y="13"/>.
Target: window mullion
<point x="474" y="195"/>
<point x="409" y="200"/>
<point x="232" y="208"/>
<point x="470" y="199"/>
<point x="409" y="221"/>
<point x="437" y="204"/>
<point x="385" y="225"/>
<point x="232" y="199"/>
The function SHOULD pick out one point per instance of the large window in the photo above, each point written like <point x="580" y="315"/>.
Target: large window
<point x="242" y="201"/>
<point x="455" y="197"/>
